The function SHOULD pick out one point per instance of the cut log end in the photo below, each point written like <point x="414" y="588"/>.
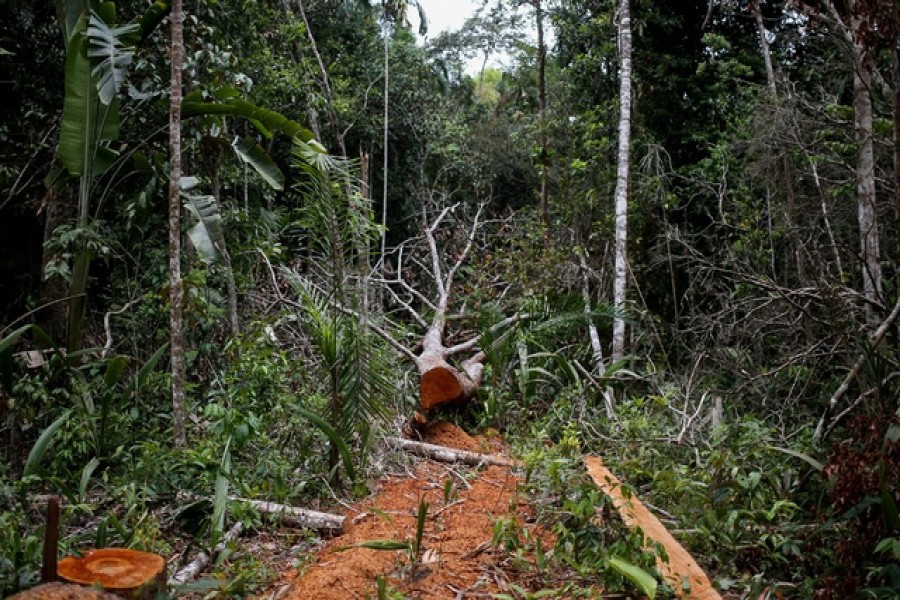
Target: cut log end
<point x="127" y="573"/>
<point x="440" y="385"/>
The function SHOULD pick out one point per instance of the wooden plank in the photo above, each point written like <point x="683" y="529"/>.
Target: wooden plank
<point x="633" y="512"/>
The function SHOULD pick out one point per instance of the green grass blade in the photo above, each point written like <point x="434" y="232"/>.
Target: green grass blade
<point x="42" y="444"/>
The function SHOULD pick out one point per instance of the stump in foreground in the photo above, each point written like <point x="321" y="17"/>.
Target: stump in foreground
<point x="126" y="573"/>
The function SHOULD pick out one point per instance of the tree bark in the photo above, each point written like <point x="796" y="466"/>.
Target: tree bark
<point x="326" y="83"/>
<point x="301" y="517"/>
<point x="384" y="168"/>
<point x="764" y="47"/>
<point x="865" y="165"/>
<point x="448" y="455"/>
<point x="542" y="109"/>
<point x="895" y="73"/>
<point x="176" y="324"/>
<point x="620" y="284"/>
<point x="440" y="382"/>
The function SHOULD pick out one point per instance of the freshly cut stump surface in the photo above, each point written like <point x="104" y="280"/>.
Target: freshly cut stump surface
<point x="635" y="514"/>
<point x="127" y="573"/>
<point x="457" y="559"/>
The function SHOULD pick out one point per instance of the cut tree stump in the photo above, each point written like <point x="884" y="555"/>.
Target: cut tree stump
<point x="681" y="565"/>
<point x="126" y="573"/>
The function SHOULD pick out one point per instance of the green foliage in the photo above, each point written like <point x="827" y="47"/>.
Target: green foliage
<point x="228" y="101"/>
<point x="20" y="555"/>
<point x="110" y="54"/>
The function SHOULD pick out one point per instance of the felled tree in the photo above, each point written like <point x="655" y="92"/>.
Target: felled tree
<point x="441" y="382"/>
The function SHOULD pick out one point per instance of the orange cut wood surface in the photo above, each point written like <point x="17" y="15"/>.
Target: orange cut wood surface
<point x="439" y="386"/>
<point x="115" y="569"/>
<point x="633" y="512"/>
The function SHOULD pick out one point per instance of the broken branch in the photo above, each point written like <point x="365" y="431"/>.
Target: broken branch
<point x="448" y="455"/>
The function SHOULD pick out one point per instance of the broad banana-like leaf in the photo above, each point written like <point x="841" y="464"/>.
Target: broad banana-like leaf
<point x="208" y="233"/>
<point x="253" y="154"/>
<point x="69" y="12"/>
<point x="227" y="101"/>
<point x="86" y="122"/>
<point x="111" y="55"/>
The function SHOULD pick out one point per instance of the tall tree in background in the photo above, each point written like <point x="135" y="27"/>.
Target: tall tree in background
<point x="396" y="11"/>
<point x="895" y="70"/>
<point x="542" y="109"/>
<point x="176" y="319"/>
<point x="857" y="23"/>
<point x="620" y="285"/>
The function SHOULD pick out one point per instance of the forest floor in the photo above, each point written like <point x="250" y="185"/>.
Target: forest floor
<point x="457" y="558"/>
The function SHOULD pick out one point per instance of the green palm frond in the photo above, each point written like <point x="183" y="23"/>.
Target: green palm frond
<point x="352" y="360"/>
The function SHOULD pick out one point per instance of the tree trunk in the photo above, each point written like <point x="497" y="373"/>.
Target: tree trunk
<point x="542" y="108"/>
<point x="176" y="319"/>
<point x="440" y="382"/>
<point x="57" y="207"/>
<point x="449" y="455"/>
<point x="764" y="47"/>
<point x="326" y="83"/>
<point x="622" y="179"/>
<point x="384" y="169"/>
<point x="865" y="176"/>
<point x="895" y="72"/>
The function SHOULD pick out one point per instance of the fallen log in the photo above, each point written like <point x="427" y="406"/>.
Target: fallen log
<point x="301" y="517"/>
<point x="202" y="560"/>
<point x="123" y="572"/>
<point x="449" y="455"/>
<point x="681" y="565"/>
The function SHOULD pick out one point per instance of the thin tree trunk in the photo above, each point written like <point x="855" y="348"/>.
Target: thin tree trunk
<point x="384" y="189"/>
<point x="326" y="83"/>
<point x="865" y="177"/>
<point x="895" y="72"/>
<point x="622" y="179"/>
<point x="175" y="292"/>
<point x="542" y="109"/>
<point x="764" y="47"/>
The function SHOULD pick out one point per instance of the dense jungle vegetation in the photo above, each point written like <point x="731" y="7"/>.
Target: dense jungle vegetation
<point x="247" y="314"/>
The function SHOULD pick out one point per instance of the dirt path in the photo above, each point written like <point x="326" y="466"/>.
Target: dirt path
<point x="635" y="514"/>
<point x="457" y="560"/>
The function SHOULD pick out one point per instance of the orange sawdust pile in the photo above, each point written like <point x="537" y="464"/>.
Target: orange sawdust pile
<point x="457" y="558"/>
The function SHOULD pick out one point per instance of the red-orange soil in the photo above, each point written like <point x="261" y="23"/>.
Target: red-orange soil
<point x="457" y="558"/>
